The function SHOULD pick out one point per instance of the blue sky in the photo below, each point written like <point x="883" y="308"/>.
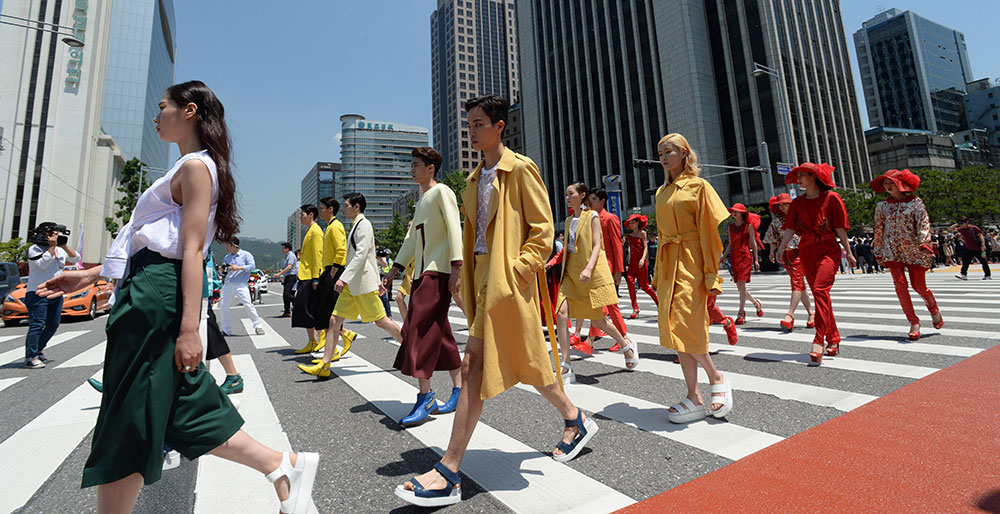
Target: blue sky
<point x="287" y="71"/>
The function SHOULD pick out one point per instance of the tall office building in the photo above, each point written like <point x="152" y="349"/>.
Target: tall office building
<point x="913" y="72"/>
<point x="318" y="183"/>
<point x="60" y="166"/>
<point x="141" y="61"/>
<point x="474" y="52"/>
<point x="604" y="81"/>
<point x="982" y="109"/>
<point x="375" y="161"/>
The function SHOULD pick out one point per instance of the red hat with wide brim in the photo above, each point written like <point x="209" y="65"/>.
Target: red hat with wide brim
<point x="775" y="201"/>
<point x="643" y="221"/>
<point x="905" y="180"/>
<point x="823" y="173"/>
<point x="738" y="207"/>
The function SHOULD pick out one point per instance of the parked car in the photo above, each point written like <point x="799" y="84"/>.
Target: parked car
<point x="261" y="280"/>
<point x="88" y="303"/>
<point x="10" y="277"/>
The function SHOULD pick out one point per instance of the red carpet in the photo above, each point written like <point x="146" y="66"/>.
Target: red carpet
<point x="931" y="446"/>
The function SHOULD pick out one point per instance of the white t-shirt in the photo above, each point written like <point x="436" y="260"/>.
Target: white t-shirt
<point x="484" y="198"/>
<point x="43" y="266"/>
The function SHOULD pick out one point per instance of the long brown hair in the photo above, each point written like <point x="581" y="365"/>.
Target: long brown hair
<point x="214" y="135"/>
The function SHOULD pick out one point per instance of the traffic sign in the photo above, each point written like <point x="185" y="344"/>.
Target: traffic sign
<point x="614" y="205"/>
<point x="784" y="169"/>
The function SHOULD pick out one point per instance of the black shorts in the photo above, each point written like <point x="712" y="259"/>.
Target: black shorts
<point x="217" y="346"/>
<point x="305" y="305"/>
<point x="327" y="296"/>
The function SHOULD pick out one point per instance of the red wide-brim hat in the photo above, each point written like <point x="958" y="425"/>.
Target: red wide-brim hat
<point x="775" y="201"/>
<point x="905" y="180"/>
<point x="823" y="173"/>
<point x="738" y="208"/>
<point x="643" y="221"/>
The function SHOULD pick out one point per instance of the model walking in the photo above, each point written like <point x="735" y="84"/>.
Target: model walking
<point x="789" y="260"/>
<point x="638" y="261"/>
<point x="742" y="246"/>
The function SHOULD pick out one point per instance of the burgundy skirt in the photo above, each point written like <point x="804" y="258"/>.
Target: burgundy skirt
<point x="428" y="344"/>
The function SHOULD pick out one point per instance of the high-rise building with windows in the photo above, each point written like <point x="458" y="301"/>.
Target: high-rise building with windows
<point x="604" y="81"/>
<point x="474" y="52"/>
<point x="141" y="59"/>
<point x="375" y="159"/>
<point x="318" y="183"/>
<point x="913" y="72"/>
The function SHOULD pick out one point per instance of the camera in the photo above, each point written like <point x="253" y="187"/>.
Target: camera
<point x="40" y="236"/>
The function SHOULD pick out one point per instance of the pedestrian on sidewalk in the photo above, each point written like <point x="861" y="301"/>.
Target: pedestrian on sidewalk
<point x="306" y="304"/>
<point x="288" y="276"/>
<point x="903" y="242"/>
<point x="688" y="214"/>
<point x="358" y="287"/>
<point x="433" y="247"/>
<point x="611" y="233"/>
<point x="239" y="263"/>
<point x="156" y="389"/>
<point x="638" y="261"/>
<point x="507" y="233"/>
<point x="46" y="260"/>
<point x="820" y="219"/>
<point x="974" y="245"/>
<point x="742" y="248"/>
<point x="789" y="259"/>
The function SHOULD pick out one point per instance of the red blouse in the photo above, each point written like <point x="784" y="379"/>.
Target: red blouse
<point x="816" y="219"/>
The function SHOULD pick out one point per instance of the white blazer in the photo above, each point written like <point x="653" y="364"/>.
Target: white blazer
<point x="361" y="273"/>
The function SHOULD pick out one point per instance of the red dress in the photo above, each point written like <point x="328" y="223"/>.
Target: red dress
<point x="741" y="256"/>
<point x="637" y="273"/>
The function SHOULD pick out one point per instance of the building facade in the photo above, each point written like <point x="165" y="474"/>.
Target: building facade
<point x="295" y="230"/>
<point x="474" y="52"/>
<point x="141" y="60"/>
<point x="375" y="161"/>
<point x="61" y="166"/>
<point x="913" y="72"/>
<point x="603" y="81"/>
<point x="318" y="183"/>
<point x="912" y="149"/>
<point x="513" y="135"/>
<point x="982" y="110"/>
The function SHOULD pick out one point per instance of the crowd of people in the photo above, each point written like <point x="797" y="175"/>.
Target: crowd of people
<point x="504" y="266"/>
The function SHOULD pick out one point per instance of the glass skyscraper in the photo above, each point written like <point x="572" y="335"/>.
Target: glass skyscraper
<point x="375" y="161"/>
<point x="914" y="72"/>
<point x="141" y="59"/>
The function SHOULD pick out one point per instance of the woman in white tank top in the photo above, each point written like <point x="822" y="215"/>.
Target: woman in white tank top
<point x="156" y="389"/>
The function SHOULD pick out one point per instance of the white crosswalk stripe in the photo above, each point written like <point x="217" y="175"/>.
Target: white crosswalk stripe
<point x="60" y="338"/>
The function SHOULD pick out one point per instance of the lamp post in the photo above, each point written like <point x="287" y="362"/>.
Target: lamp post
<point x="70" y="39"/>
<point x="760" y="70"/>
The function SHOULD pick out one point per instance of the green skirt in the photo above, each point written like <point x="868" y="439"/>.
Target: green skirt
<point x="146" y="402"/>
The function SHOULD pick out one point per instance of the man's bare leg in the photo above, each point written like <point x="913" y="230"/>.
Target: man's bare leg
<point x="332" y="336"/>
<point x="391" y="327"/>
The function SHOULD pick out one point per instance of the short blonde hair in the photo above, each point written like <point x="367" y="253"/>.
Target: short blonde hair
<point x="691" y="161"/>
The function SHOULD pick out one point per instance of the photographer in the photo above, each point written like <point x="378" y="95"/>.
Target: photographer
<point x="46" y="259"/>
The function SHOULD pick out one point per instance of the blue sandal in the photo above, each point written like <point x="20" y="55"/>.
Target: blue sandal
<point x="587" y="430"/>
<point x="437" y="498"/>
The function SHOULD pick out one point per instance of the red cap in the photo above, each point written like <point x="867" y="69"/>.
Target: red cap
<point x="905" y="181"/>
<point x="823" y="173"/>
<point x="775" y="201"/>
<point x="738" y="208"/>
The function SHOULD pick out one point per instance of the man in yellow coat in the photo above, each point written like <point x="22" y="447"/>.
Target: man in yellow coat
<point x="507" y="236"/>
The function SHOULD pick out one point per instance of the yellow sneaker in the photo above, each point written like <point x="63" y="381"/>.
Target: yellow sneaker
<point x="349" y="337"/>
<point x="308" y="348"/>
<point x="321" y="370"/>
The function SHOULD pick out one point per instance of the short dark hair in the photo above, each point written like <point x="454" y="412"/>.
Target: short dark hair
<point x="235" y="241"/>
<point x="600" y="193"/>
<point x="286" y="246"/>
<point x="330" y="202"/>
<point x="310" y="209"/>
<point x="357" y="200"/>
<point x="428" y="156"/>
<point x="494" y="106"/>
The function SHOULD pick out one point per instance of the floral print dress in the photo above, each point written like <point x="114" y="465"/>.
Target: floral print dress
<point x="903" y="233"/>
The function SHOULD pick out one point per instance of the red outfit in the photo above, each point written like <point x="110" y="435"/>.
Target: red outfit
<point x="715" y="314"/>
<point x="635" y="272"/>
<point x="611" y="231"/>
<point x="740" y="254"/>
<point x="815" y="220"/>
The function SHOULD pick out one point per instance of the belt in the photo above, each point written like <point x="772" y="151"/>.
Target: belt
<point x="675" y="238"/>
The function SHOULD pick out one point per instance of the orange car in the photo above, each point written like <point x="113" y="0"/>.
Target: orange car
<point x="86" y="302"/>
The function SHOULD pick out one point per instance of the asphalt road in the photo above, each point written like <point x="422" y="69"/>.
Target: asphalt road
<point x="351" y="419"/>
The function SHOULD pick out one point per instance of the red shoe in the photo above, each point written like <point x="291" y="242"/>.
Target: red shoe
<point x="635" y="314"/>
<point x="598" y="333"/>
<point x="815" y="356"/>
<point x="914" y="335"/>
<point x="741" y="318"/>
<point x="759" y="307"/>
<point x="939" y="322"/>
<point x="583" y="347"/>
<point x="788" y="325"/>
<point x="574" y="340"/>
<point x="615" y="348"/>
<point x="833" y="349"/>
<point x="811" y="323"/>
<point x="731" y="332"/>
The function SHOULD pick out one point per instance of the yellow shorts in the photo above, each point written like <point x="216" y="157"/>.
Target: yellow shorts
<point x="477" y="328"/>
<point x="367" y="306"/>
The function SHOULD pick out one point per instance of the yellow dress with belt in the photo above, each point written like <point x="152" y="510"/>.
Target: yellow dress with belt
<point x="688" y="214"/>
<point x="586" y="299"/>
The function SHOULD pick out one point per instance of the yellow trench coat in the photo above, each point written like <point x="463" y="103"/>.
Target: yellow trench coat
<point x="688" y="213"/>
<point x="519" y="237"/>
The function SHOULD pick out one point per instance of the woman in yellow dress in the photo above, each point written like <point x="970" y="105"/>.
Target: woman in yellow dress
<point x="587" y="284"/>
<point x="688" y="213"/>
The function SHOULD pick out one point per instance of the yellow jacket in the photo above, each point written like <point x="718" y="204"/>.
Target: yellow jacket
<point x="519" y="237"/>
<point x="334" y="244"/>
<point x="434" y="240"/>
<point x="311" y="262"/>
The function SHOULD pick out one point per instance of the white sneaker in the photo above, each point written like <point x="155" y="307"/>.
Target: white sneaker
<point x="171" y="460"/>
<point x="961" y="277"/>
<point x="987" y="277"/>
<point x="259" y="331"/>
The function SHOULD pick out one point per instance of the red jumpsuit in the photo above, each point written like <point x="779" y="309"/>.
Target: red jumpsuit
<point x="740" y="253"/>
<point x="635" y="272"/>
<point x="815" y="219"/>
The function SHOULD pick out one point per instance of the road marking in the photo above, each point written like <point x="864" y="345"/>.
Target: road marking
<point x="225" y="486"/>
<point x="18" y="353"/>
<point x="901" y="345"/>
<point x="35" y="451"/>
<point x="733" y="303"/>
<point x="8" y="338"/>
<point x="978" y="334"/>
<point x="7" y="382"/>
<point x="270" y="339"/>
<point x="91" y="357"/>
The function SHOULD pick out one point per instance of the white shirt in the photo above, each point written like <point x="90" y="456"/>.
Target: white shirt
<point x="43" y="265"/>
<point x="574" y="222"/>
<point x="156" y="221"/>
<point x="484" y="199"/>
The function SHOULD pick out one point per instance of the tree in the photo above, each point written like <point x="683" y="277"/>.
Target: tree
<point x="14" y="250"/>
<point x="130" y="188"/>
<point x="456" y="181"/>
<point x="860" y="204"/>
<point x="393" y="236"/>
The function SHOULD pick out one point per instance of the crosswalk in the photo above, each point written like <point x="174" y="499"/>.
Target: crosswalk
<point x="767" y="369"/>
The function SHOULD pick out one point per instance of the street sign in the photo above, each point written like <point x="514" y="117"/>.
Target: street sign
<point x="614" y="205"/>
<point x="784" y="169"/>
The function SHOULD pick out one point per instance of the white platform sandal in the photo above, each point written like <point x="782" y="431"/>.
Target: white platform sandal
<point x="300" y="481"/>
<point x="630" y="363"/>
<point x="568" y="377"/>
<point x="726" y="401"/>
<point x="687" y="412"/>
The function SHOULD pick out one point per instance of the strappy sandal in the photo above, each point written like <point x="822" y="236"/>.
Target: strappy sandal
<point x="731" y="334"/>
<point x="633" y="362"/>
<point x="422" y="497"/>
<point x="568" y="377"/>
<point x="914" y="335"/>
<point x="788" y="325"/>
<point x="687" y="412"/>
<point x="741" y="318"/>
<point x="811" y="322"/>
<point x="759" y="307"/>
<point x="587" y="430"/>
<point x="939" y="322"/>
<point x="300" y="481"/>
<point x="832" y="349"/>
<point x="727" y="401"/>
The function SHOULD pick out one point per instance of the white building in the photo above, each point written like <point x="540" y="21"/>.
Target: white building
<point x="59" y="166"/>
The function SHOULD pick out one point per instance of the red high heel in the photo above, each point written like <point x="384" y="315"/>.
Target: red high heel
<point x="759" y="307"/>
<point x="833" y="349"/>
<point x="815" y="356"/>
<point x="790" y="324"/>
<point x="940" y="320"/>
<point x="811" y="322"/>
<point x="731" y="332"/>
<point x="635" y="314"/>
<point x="741" y="318"/>
<point x="914" y="335"/>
